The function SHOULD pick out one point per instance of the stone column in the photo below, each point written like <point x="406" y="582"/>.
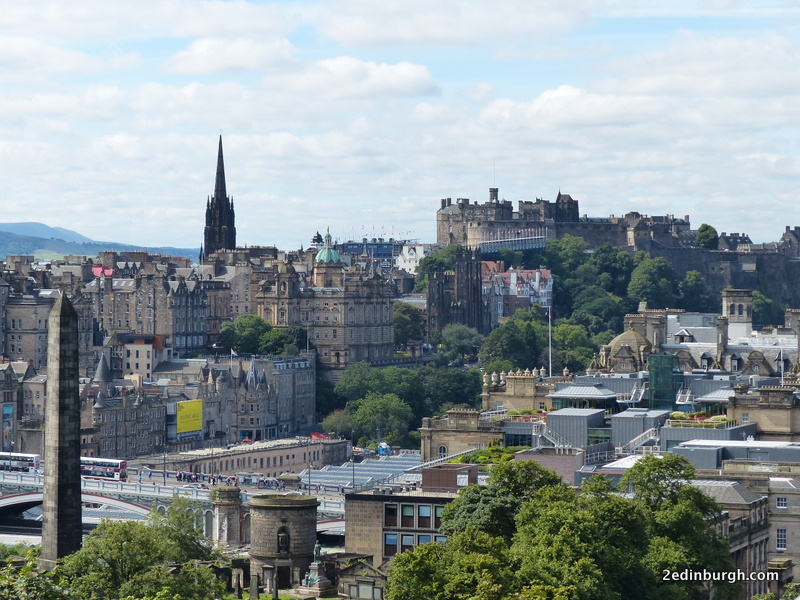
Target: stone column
<point x="62" y="523"/>
<point x="227" y="517"/>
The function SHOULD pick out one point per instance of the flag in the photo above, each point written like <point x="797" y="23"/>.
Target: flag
<point x="233" y="353"/>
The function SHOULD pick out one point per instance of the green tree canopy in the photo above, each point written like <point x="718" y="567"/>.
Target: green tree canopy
<point x="381" y="417"/>
<point x="244" y="333"/>
<point x="520" y="341"/>
<point x="695" y="295"/>
<point x="408" y="323"/>
<point x="594" y="544"/>
<point x="361" y="378"/>
<point x="461" y="341"/>
<point x="443" y="260"/>
<point x="128" y="558"/>
<point x="449" y="387"/>
<point x="707" y="237"/>
<point x="653" y="282"/>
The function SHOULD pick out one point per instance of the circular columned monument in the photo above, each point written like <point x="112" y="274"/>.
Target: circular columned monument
<point x="283" y="531"/>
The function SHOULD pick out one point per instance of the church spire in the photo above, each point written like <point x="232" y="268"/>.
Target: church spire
<point x="219" y="186"/>
<point x="220" y="230"/>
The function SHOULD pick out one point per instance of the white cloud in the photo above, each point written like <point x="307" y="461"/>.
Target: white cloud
<point x="365" y="22"/>
<point x="146" y="19"/>
<point x="698" y="65"/>
<point x="346" y="77"/>
<point x="26" y="59"/>
<point x="219" y="55"/>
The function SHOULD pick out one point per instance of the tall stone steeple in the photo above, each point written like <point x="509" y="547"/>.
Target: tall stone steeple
<point x="61" y="529"/>
<point x="220" y="230"/>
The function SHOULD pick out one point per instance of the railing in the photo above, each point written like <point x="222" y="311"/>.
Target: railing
<point x="490" y="414"/>
<point x="703" y="424"/>
<point x="642" y="438"/>
<point x="373" y="483"/>
<point x="121" y="488"/>
<point x="596" y="457"/>
<point x="543" y="431"/>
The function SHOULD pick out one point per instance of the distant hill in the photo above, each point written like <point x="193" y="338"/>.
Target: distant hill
<point x="48" y="243"/>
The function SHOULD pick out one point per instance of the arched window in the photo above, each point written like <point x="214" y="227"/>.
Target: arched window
<point x="732" y="310"/>
<point x="741" y="309"/>
<point x="442" y="451"/>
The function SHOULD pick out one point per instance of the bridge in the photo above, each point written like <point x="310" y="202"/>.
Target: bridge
<point x="131" y="501"/>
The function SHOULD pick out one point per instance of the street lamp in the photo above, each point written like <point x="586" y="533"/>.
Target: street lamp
<point x="353" y="455"/>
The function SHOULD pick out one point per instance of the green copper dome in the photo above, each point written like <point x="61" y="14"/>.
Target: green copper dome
<point x="328" y="254"/>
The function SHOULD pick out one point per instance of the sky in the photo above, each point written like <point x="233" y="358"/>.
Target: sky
<point x="360" y="115"/>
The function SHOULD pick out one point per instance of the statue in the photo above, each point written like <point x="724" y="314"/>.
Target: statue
<point x="317" y="552"/>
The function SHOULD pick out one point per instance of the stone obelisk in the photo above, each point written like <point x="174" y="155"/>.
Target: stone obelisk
<point x="62" y="526"/>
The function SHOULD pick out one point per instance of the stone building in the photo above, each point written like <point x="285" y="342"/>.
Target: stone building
<point x="150" y="304"/>
<point x="283" y="533"/>
<point x="272" y="458"/>
<point x="220" y="229"/>
<point x="458" y="296"/>
<point x="517" y="391"/>
<point x="747" y="529"/>
<point x="460" y="429"/>
<point x="723" y="343"/>
<point x="12" y="394"/>
<point x="382" y="523"/>
<point x="347" y="314"/>
<point x="468" y="224"/>
<point x="515" y="289"/>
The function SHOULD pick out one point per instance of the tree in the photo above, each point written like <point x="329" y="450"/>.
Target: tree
<point x="695" y="295"/>
<point x="361" y="378"/>
<point x="470" y="565"/>
<point x="707" y="237"/>
<point x="652" y="282"/>
<point x="510" y="258"/>
<point x="445" y="387"/>
<point x="574" y="348"/>
<point x="615" y="266"/>
<point x="408" y="323"/>
<point x="339" y="422"/>
<point x="128" y="558"/>
<point x="443" y="260"/>
<point x="656" y="480"/>
<point x="29" y="583"/>
<point x="272" y="342"/>
<point x="381" y="417"/>
<point x="461" y="341"/>
<point x="522" y="479"/>
<point x="766" y="311"/>
<point x="520" y="341"/>
<point x="244" y="333"/>
<point x="489" y="509"/>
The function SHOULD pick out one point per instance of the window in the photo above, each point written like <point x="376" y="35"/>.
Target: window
<point x="442" y="451"/>
<point x="406" y="542"/>
<point x="423" y="539"/>
<point x="407" y="515"/>
<point x="390" y="544"/>
<point x="437" y="512"/>
<point x="423" y="516"/>
<point x="745" y="417"/>
<point x="440" y="538"/>
<point x="390" y="515"/>
<point x="781" y="502"/>
<point x="780" y="539"/>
